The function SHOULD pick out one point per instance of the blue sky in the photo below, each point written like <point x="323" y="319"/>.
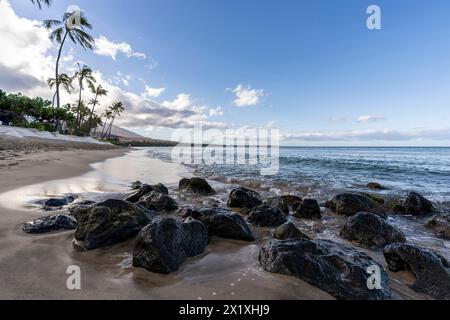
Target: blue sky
<point x="315" y="67"/>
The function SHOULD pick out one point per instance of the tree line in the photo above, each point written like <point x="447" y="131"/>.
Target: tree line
<point x="80" y="118"/>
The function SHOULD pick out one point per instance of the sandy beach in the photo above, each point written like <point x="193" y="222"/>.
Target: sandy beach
<point x="34" y="267"/>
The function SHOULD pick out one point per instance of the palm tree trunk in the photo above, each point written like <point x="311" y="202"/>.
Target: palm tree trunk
<point x="79" y="106"/>
<point x="58" y="101"/>
<point x="94" y="103"/>
<point x="53" y="100"/>
<point x="111" y="125"/>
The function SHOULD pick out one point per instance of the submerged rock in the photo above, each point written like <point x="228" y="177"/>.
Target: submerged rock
<point x="196" y="186"/>
<point x="308" y="209"/>
<point x="56" y="203"/>
<point x="244" y="198"/>
<point x="289" y="231"/>
<point x="335" y="268"/>
<point x="136" y="185"/>
<point x="414" y="204"/>
<point x="440" y="224"/>
<point x="292" y="201"/>
<point x="431" y="270"/>
<point x="222" y="223"/>
<point x="371" y="231"/>
<point x="145" y="190"/>
<point x="266" y="216"/>
<point x="108" y="223"/>
<point x="165" y="244"/>
<point x="49" y="224"/>
<point x="375" y="186"/>
<point x="159" y="202"/>
<point x="350" y="204"/>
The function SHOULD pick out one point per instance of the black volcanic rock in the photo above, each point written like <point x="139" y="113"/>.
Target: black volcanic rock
<point x="335" y="268"/>
<point x="244" y="198"/>
<point x="196" y="186"/>
<point x="266" y="216"/>
<point x="165" y="244"/>
<point x="371" y="231"/>
<point x="308" y="209"/>
<point x="144" y="190"/>
<point x="350" y="204"/>
<point x="431" y="270"/>
<point x="159" y="202"/>
<point x="49" y="224"/>
<point x="288" y="231"/>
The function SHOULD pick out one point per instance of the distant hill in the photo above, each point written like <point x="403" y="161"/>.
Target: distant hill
<point x="129" y="138"/>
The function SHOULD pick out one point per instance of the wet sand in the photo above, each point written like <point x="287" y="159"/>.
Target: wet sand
<point x="34" y="267"/>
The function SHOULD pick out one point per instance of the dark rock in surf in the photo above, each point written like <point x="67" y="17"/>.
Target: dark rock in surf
<point x="371" y="231"/>
<point x="145" y="190"/>
<point x="244" y="198"/>
<point x="56" y="203"/>
<point x="136" y="185"/>
<point x="289" y="231"/>
<point x="335" y="268"/>
<point x="350" y="204"/>
<point x="108" y="223"/>
<point x="165" y="244"/>
<point x="308" y="209"/>
<point x="278" y="202"/>
<point x="293" y="202"/>
<point x="159" y="202"/>
<point x="222" y="223"/>
<point x="431" y="270"/>
<point x="266" y="216"/>
<point x="414" y="204"/>
<point x="440" y="224"/>
<point x="196" y="186"/>
<point x="48" y="224"/>
<point x="375" y="186"/>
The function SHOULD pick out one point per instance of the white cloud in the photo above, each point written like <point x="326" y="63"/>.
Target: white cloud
<point x="367" y="118"/>
<point x="247" y="96"/>
<point x="369" y="135"/>
<point x="215" y="112"/>
<point x="182" y="102"/>
<point x="105" y="47"/>
<point x="153" y="92"/>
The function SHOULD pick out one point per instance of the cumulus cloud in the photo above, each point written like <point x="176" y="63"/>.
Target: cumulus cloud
<point x="367" y="118"/>
<point x="369" y="135"/>
<point x="105" y="47"/>
<point x="246" y="96"/>
<point x="215" y="112"/>
<point x="153" y="92"/>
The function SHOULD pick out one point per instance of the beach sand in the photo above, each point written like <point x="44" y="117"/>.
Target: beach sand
<point x="34" y="267"/>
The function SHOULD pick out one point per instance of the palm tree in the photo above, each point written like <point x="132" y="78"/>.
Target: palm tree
<point x="108" y="116"/>
<point x="117" y="108"/>
<point x="98" y="92"/>
<point x="64" y="80"/>
<point x="84" y="74"/>
<point x="63" y="30"/>
<point x="39" y="4"/>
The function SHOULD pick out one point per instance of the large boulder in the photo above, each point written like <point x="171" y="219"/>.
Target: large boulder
<point x="266" y="216"/>
<point x="108" y="223"/>
<point x="159" y="202"/>
<point x="308" y="209"/>
<point x="371" y="231"/>
<point x="415" y="204"/>
<point x="244" y="198"/>
<point x="335" y="268"/>
<point x="431" y="270"/>
<point x="440" y="224"/>
<point x="49" y="224"/>
<point x="223" y="223"/>
<point x="196" y="186"/>
<point x="289" y="231"/>
<point x="348" y="204"/>
<point x="165" y="244"/>
<point x="146" y="189"/>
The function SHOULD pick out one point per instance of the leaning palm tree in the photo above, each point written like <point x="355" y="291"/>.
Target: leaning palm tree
<point x="117" y="108"/>
<point x="108" y="116"/>
<point x="64" y="29"/>
<point x="39" y="3"/>
<point x="64" y="80"/>
<point x="84" y="74"/>
<point x="98" y="92"/>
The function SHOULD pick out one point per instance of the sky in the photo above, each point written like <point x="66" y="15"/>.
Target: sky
<point x="311" y="69"/>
